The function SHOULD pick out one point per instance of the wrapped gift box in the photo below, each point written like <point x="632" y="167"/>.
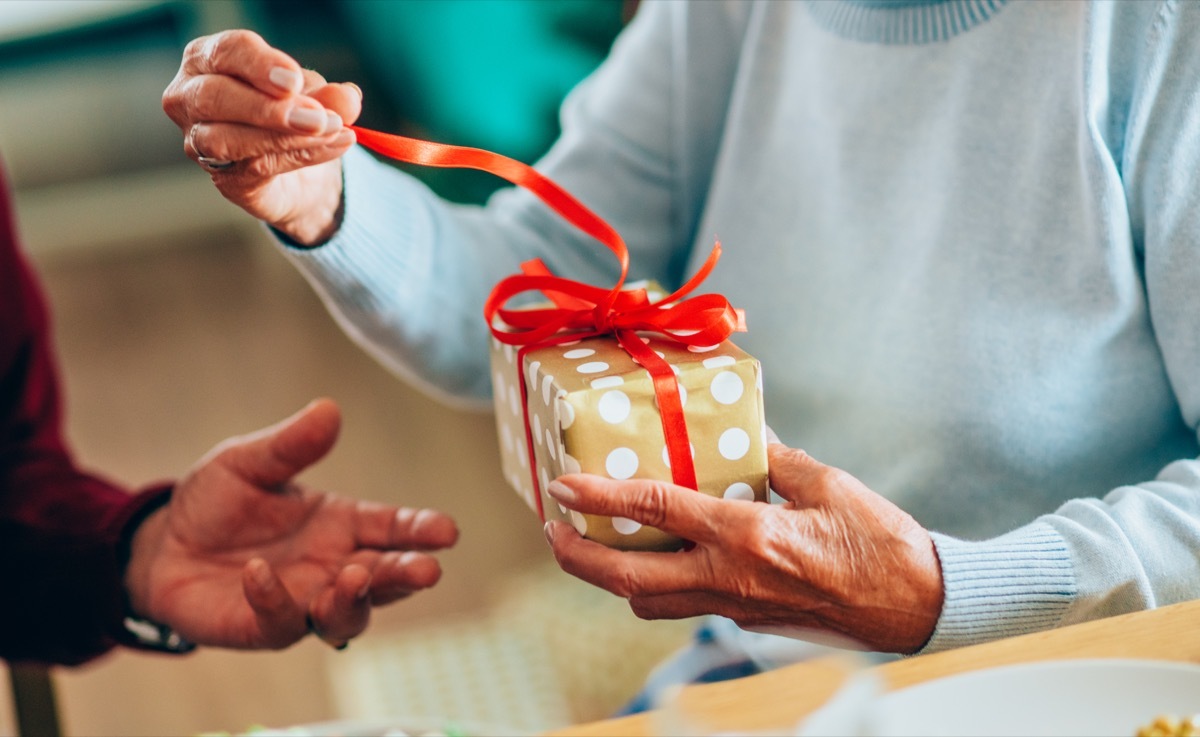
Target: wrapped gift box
<point x="592" y="409"/>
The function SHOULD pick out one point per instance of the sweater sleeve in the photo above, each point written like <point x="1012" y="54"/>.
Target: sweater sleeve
<point x="61" y="529"/>
<point x="1133" y="547"/>
<point x="407" y="274"/>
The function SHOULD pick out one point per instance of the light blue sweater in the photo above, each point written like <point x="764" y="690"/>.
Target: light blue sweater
<point x="966" y="235"/>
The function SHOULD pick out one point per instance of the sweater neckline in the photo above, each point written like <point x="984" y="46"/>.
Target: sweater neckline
<point x="902" y="22"/>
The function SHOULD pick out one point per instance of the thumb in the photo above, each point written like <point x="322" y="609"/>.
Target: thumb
<point x="275" y="454"/>
<point x="795" y="475"/>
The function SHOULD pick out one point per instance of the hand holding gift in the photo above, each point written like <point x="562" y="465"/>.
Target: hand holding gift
<point x="834" y="558"/>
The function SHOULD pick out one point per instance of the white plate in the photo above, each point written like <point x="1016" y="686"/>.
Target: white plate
<point x="1060" y="697"/>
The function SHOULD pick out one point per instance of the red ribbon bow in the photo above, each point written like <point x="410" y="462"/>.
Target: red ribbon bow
<point x="580" y="310"/>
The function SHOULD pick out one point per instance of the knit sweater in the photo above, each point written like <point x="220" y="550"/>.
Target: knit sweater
<point x="64" y="532"/>
<point x="966" y="238"/>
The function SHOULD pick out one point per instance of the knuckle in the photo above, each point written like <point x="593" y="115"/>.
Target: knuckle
<point x="831" y="477"/>
<point x="205" y="100"/>
<point x="650" y="503"/>
<point x="260" y="166"/>
<point x="195" y="47"/>
<point x="221" y="46"/>
<point x="623" y="583"/>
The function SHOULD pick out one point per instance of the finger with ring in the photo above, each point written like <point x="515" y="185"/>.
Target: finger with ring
<point x="313" y="629"/>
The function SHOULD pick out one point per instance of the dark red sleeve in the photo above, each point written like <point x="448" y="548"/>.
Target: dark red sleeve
<point x="61" y="530"/>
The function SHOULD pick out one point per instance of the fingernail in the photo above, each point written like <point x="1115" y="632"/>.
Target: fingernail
<point x="287" y="80"/>
<point x="362" y="593"/>
<point x="304" y="119"/>
<point x="548" y="531"/>
<point x="333" y="121"/>
<point x="356" y="88"/>
<point x="561" y="492"/>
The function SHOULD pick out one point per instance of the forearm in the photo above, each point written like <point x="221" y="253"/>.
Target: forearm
<point x="62" y="539"/>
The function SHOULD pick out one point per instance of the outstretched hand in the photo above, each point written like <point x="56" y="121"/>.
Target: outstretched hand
<point x="836" y="558"/>
<point x="244" y="557"/>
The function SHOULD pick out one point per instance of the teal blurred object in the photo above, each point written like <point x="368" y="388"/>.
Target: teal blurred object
<point x="483" y="73"/>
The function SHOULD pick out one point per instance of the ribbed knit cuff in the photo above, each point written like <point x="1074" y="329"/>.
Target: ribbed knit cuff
<point x="368" y="254"/>
<point x="1014" y="584"/>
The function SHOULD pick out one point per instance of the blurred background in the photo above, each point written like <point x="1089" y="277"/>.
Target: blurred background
<point x="178" y="324"/>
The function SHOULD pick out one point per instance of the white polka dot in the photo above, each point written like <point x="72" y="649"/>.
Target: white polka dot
<point x="562" y="509"/>
<point x="514" y="400"/>
<point x="683" y="333"/>
<point x="740" y="490"/>
<point x="508" y="352"/>
<point x="605" y="382"/>
<point x="533" y="369"/>
<point x="592" y="367"/>
<point x="579" y="353"/>
<point x="546" y="384"/>
<point x="551" y="445"/>
<point x="718" y="361"/>
<point x="614" y="406"/>
<point x="537" y="428"/>
<point x="625" y="526"/>
<point x="566" y="414"/>
<point x="570" y="464"/>
<point x="566" y="343"/>
<point x="544" y="478"/>
<point x="522" y="453"/>
<point x="734" y="443"/>
<point x="498" y="384"/>
<point x="702" y="348"/>
<point x="661" y="355"/>
<point x="506" y="438"/>
<point x="667" y="456"/>
<point x="621" y="463"/>
<point x="676" y="369"/>
<point x="578" y="521"/>
<point x="496" y="343"/>
<point x="758" y="381"/>
<point x="727" y="387"/>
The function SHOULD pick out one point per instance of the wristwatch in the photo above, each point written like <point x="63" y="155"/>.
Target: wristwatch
<point x="148" y="635"/>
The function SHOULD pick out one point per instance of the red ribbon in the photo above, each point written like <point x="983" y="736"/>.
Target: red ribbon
<point x="580" y="310"/>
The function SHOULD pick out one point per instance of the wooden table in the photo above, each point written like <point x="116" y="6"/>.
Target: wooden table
<point x="779" y="699"/>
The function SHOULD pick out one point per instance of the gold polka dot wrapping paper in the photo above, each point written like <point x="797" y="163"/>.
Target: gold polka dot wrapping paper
<point x="592" y="409"/>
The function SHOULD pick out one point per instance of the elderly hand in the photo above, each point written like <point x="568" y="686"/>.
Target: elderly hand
<point x="836" y="558"/>
<point x="244" y="557"/>
<point x="269" y="132"/>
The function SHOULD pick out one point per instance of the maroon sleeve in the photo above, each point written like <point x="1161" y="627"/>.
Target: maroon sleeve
<point x="61" y="529"/>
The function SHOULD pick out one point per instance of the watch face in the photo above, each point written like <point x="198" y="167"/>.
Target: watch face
<point x="153" y="636"/>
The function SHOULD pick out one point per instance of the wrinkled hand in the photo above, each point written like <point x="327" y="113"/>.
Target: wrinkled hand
<point x="242" y="554"/>
<point x="238" y="99"/>
<point x="836" y="558"/>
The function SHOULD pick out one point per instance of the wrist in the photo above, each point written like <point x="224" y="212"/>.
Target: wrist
<point x="316" y="224"/>
<point x="145" y="543"/>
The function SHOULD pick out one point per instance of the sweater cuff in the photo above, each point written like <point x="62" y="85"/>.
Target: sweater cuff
<point x="367" y="253"/>
<point x="1011" y="585"/>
